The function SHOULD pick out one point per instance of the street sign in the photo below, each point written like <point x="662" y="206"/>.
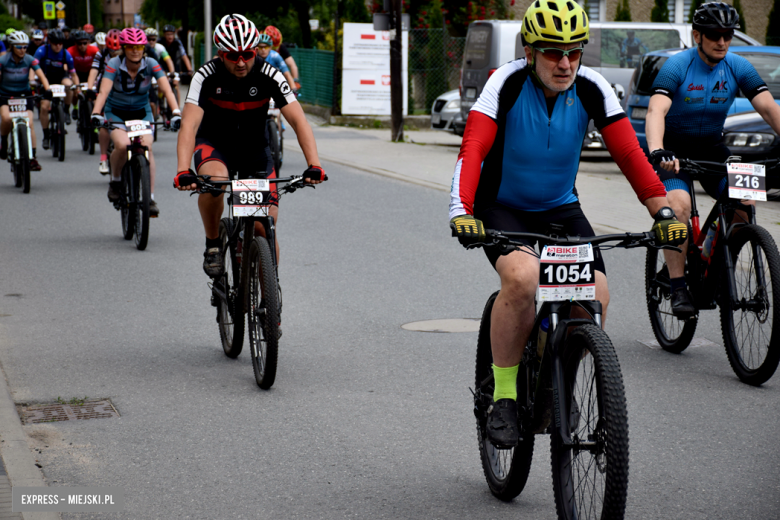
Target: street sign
<point x="48" y="11"/>
<point x="60" y="14"/>
<point x="60" y="6"/>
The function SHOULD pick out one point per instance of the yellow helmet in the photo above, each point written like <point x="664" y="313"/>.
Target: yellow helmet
<point x="555" y="21"/>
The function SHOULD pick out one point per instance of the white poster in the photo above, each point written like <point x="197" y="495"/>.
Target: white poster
<point x="365" y="85"/>
<point x="367" y="92"/>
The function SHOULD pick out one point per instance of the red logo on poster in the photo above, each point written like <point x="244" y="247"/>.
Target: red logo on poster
<point x="385" y="79"/>
<point x="368" y="36"/>
<point x="385" y="35"/>
<point x="367" y="82"/>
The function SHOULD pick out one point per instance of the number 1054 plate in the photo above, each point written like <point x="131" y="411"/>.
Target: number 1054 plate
<point x="566" y="273"/>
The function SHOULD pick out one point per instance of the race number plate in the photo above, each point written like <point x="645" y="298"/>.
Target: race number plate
<point x="136" y="128"/>
<point x="17" y="105"/>
<point x="58" y="91"/>
<point x="747" y="181"/>
<point x="251" y="197"/>
<point x="566" y="273"/>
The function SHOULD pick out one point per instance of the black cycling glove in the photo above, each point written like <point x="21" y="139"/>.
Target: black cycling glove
<point x="659" y="155"/>
<point x="468" y="229"/>
<point x="185" y="178"/>
<point x="315" y="173"/>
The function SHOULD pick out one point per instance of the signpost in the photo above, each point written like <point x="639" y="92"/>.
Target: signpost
<point x="61" y="11"/>
<point x="48" y="11"/>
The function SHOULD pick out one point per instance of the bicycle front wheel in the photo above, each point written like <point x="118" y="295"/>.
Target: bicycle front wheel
<point x="273" y="143"/>
<point x="60" y="133"/>
<point x="749" y="318"/>
<point x="590" y="478"/>
<point x="672" y="334"/>
<point x="263" y="313"/>
<point x="506" y="471"/>
<point x="139" y="167"/>
<point x="23" y="163"/>
<point x="230" y="310"/>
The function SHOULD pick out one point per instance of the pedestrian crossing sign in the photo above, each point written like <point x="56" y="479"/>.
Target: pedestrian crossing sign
<point x="48" y="11"/>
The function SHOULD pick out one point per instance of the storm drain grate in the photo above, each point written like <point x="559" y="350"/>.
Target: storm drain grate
<point x="55" y="412"/>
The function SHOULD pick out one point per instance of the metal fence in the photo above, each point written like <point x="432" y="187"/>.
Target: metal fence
<point x="435" y="60"/>
<point x="316" y="70"/>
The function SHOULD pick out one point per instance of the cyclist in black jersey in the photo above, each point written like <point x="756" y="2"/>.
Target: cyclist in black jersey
<point x="224" y="120"/>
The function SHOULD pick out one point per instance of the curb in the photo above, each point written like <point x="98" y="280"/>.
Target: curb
<point x="418" y="122"/>
<point x="18" y="459"/>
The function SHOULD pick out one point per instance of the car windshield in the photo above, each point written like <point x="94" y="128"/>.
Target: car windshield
<point x="768" y="67"/>
<point x="650" y="68"/>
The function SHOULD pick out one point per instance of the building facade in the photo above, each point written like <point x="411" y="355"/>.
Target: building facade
<point x="756" y="12"/>
<point x="120" y="13"/>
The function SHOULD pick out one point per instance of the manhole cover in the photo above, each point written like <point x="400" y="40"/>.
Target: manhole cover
<point x="91" y="409"/>
<point x="447" y="325"/>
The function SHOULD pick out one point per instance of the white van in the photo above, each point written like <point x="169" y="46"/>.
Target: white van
<point x="610" y="51"/>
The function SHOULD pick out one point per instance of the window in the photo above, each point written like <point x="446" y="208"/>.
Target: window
<point x="768" y="67"/>
<point x="618" y="50"/>
<point x="651" y="66"/>
<point x="592" y="8"/>
<point x="477" y="52"/>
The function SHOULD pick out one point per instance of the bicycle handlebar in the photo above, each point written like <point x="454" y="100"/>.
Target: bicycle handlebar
<point x="625" y="240"/>
<point x="718" y="168"/>
<point x="206" y="185"/>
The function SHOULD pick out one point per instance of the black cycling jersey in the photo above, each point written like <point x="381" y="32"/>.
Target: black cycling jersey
<point x="283" y="52"/>
<point x="235" y="110"/>
<point x="175" y="50"/>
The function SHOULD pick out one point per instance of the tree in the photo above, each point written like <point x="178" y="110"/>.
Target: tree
<point x="660" y="12"/>
<point x="773" y="28"/>
<point x="742" y="21"/>
<point x="623" y="11"/>
<point x="695" y="4"/>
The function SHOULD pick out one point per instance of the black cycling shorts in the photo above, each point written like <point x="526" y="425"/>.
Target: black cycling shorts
<point x="205" y="152"/>
<point x="503" y="218"/>
<point x="695" y="150"/>
<point x="30" y="101"/>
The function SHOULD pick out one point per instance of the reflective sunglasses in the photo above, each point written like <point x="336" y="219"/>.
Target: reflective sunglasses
<point x="715" y="36"/>
<point x="234" y="56"/>
<point x="20" y="47"/>
<point x="556" y="55"/>
<point x="134" y="47"/>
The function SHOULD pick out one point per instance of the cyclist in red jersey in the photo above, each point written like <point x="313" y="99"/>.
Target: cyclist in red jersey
<point x="83" y="55"/>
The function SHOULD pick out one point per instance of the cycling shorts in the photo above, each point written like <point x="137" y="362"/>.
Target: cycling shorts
<point x="30" y="101"/>
<point x="118" y="116"/>
<point x="503" y="218"/>
<point x="696" y="150"/>
<point x="83" y="76"/>
<point x="205" y="152"/>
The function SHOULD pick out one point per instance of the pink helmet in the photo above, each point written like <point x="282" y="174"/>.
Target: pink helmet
<point x="132" y="36"/>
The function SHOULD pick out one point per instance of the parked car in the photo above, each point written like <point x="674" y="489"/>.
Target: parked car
<point x="752" y="139"/>
<point x="446" y="111"/>
<point x="766" y="60"/>
<point x="491" y="43"/>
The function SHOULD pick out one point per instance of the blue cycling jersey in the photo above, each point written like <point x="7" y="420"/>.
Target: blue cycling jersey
<point x="276" y="61"/>
<point x="702" y="95"/>
<point x="14" y="76"/>
<point x="130" y="93"/>
<point x="51" y="61"/>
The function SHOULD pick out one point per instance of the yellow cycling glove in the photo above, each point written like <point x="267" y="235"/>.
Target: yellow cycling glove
<point x="468" y="229"/>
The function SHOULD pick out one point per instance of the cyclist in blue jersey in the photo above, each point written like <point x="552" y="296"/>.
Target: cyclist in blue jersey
<point x="15" y="69"/>
<point x="516" y="171"/>
<point x="630" y="48"/>
<point x="57" y="65"/>
<point x="124" y="91"/>
<point x="270" y="56"/>
<point x="691" y="97"/>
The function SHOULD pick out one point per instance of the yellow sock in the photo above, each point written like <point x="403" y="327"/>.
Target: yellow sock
<point x="506" y="383"/>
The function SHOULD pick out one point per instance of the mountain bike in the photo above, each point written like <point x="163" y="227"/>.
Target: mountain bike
<point x="250" y="285"/>
<point x="275" y="135"/>
<point x="87" y="133"/>
<point x="57" y="129"/>
<point x="134" y="200"/>
<point x="20" y="141"/>
<point x="569" y="384"/>
<point x="731" y="263"/>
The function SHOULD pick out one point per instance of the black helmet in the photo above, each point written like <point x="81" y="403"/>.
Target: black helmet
<point x="79" y="35"/>
<point x="169" y="28"/>
<point x="65" y="28"/>
<point x="715" y="15"/>
<point x="56" y="36"/>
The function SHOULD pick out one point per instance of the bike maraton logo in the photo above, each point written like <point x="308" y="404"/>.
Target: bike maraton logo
<point x="253" y="91"/>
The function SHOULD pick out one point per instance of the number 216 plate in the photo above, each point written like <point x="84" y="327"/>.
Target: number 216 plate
<point x="566" y="273"/>
<point x="251" y="197"/>
<point x="747" y="181"/>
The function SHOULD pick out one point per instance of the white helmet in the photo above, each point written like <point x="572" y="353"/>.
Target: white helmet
<point x="37" y="34"/>
<point x="235" y="33"/>
<point x="100" y="38"/>
<point x="18" y="38"/>
<point x="151" y="31"/>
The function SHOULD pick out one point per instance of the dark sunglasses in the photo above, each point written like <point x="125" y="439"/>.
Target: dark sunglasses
<point x="715" y="36"/>
<point x="556" y="55"/>
<point x="234" y="56"/>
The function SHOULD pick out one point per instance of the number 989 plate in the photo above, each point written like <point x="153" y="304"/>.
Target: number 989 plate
<point x="566" y="273"/>
<point x="251" y="197"/>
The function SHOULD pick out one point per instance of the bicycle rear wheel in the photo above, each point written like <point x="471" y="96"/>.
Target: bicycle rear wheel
<point x="506" y="471"/>
<point x="54" y="142"/>
<point x="127" y="208"/>
<point x="749" y="319"/>
<point x="263" y="312"/>
<point x="672" y="334"/>
<point x="60" y="133"/>
<point x="590" y="480"/>
<point x="23" y="164"/>
<point x="143" y="196"/>
<point x="83" y="128"/>
<point x="273" y="143"/>
<point x="230" y="312"/>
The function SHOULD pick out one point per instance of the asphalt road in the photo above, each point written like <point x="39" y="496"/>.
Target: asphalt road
<point x="365" y="419"/>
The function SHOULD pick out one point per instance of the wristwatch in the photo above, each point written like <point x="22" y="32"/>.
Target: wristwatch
<point x="665" y="213"/>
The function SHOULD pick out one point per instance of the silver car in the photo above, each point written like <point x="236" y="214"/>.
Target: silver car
<point x="446" y="111"/>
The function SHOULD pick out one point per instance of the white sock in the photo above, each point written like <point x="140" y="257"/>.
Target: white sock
<point x="152" y="196"/>
<point x="116" y="179"/>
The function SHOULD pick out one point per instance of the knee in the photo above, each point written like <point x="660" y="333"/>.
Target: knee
<point x="519" y="289"/>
